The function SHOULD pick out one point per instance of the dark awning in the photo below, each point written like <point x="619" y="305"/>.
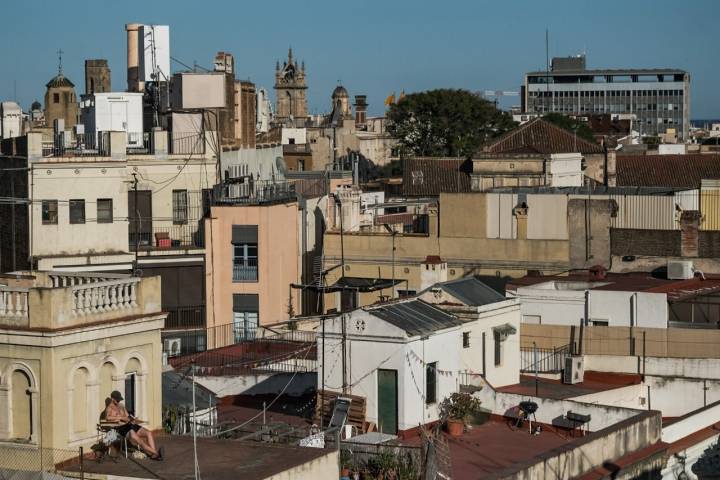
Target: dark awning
<point x="356" y="284"/>
<point x="244" y="234"/>
<point x="243" y="302"/>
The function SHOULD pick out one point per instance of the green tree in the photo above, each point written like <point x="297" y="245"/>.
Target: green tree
<point x="445" y="122"/>
<point x="572" y="125"/>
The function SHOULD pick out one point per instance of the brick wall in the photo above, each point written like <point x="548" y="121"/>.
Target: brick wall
<point x="709" y="244"/>
<point x="661" y="243"/>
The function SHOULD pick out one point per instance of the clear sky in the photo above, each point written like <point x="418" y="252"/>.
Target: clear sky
<point x="374" y="47"/>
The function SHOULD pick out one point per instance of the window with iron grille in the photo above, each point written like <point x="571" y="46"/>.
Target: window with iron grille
<point x="49" y="212"/>
<point x="77" y="211"/>
<point x="104" y="210"/>
<point x="466" y="339"/>
<point x="180" y="207"/>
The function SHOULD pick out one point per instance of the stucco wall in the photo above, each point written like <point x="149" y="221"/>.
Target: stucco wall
<point x="86" y="181"/>
<point x="325" y="467"/>
<point x="277" y="261"/>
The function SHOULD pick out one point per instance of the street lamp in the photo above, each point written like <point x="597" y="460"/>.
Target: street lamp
<point x="392" y="233"/>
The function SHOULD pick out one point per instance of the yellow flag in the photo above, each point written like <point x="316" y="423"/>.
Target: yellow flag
<point x="390" y="99"/>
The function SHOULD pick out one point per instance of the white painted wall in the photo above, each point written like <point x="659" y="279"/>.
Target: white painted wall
<point x="10" y="120"/>
<point x="298" y="135"/>
<point x="261" y="163"/>
<point x="708" y="368"/>
<point x="557" y="306"/>
<point x="118" y="112"/>
<point x="566" y="169"/>
<point x="551" y="411"/>
<point x="75" y="180"/>
<point x="154" y="50"/>
<point x="374" y="344"/>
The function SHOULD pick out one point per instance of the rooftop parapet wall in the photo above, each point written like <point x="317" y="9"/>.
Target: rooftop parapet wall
<point x="67" y="300"/>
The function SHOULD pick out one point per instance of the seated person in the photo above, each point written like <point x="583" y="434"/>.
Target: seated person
<point x="139" y="436"/>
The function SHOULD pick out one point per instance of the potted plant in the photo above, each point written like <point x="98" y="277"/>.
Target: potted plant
<point x="455" y="409"/>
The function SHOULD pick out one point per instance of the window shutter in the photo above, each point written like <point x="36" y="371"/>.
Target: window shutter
<point x="245" y="302"/>
<point x="242" y="234"/>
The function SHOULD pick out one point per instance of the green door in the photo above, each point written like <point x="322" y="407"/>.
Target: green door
<point x="387" y="401"/>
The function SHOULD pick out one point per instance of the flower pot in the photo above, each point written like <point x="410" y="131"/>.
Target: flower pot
<point x="455" y="427"/>
<point x="345" y="473"/>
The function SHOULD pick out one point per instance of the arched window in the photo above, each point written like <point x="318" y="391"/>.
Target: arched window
<point x="291" y="109"/>
<point x="107" y="371"/>
<point x="80" y="400"/>
<point x="21" y="414"/>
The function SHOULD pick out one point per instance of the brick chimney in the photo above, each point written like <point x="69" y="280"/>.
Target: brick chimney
<point x="689" y="225"/>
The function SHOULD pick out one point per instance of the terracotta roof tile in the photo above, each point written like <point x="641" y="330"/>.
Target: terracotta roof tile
<point x="541" y="136"/>
<point x="682" y="171"/>
<point x="433" y="176"/>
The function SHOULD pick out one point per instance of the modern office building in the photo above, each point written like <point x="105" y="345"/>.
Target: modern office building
<point x="656" y="100"/>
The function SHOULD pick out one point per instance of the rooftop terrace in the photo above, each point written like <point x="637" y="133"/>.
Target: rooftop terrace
<point x="50" y="301"/>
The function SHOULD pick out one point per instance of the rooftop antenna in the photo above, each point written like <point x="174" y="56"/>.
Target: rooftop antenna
<point x="547" y="68"/>
<point x="59" y="53"/>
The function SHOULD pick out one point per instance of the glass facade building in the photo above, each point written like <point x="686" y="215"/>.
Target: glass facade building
<point x="655" y="100"/>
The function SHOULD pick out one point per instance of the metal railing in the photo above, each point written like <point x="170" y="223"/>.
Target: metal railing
<point x="254" y="193"/>
<point x="544" y="360"/>
<point x="163" y="237"/>
<point x="138" y="143"/>
<point x="246" y="271"/>
<point x="82" y="145"/>
<point x="18" y="461"/>
<point x="185" y="317"/>
<point x="285" y="352"/>
<point x="190" y="143"/>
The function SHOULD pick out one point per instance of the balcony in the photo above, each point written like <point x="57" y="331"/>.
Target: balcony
<point x="185" y="318"/>
<point x="167" y="237"/>
<point x="236" y="192"/>
<point x="247" y="271"/>
<point x="53" y="300"/>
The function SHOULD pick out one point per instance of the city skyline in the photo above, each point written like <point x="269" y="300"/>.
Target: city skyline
<point x="350" y="44"/>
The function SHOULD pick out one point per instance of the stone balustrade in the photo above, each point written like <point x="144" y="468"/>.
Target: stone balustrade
<point x="13" y="302"/>
<point x="104" y="296"/>
<point x="68" y="279"/>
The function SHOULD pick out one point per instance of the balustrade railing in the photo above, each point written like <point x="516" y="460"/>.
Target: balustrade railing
<point x="104" y="296"/>
<point x="69" y="279"/>
<point x="13" y="302"/>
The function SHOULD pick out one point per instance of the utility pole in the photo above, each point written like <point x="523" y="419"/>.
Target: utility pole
<point x="344" y="355"/>
<point x="137" y="222"/>
<point x="194" y="425"/>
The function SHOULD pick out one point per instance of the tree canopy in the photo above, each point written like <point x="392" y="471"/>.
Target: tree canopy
<point x="572" y="125"/>
<point x="445" y="123"/>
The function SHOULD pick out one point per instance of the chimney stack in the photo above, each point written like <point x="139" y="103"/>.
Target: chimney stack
<point x="133" y="61"/>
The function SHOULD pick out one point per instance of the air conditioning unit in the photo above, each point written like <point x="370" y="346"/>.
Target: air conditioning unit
<point x="173" y="346"/>
<point x="680" y="270"/>
<point x="574" y="371"/>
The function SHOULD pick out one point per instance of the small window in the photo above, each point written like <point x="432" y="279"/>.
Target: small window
<point x="56" y="98"/>
<point x="77" y="211"/>
<point x="431" y="383"/>
<point x="49" y="212"/>
<point x="600" y="323"/>
<point x="104" y="210"/>
<point x="466" y="339"/>
<point x="498" y="350"/>
<point x="180" y="207"/>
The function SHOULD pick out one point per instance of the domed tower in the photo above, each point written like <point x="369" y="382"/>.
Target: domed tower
<point x="290" y="91"/>
<point x="341" y="102"/>
<point x="60" y="100"/>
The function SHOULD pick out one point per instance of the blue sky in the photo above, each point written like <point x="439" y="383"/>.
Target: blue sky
<point x="374" y="47"/>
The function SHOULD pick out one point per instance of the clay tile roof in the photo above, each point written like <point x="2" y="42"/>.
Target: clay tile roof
<point x="433" y="176"/>
<point x="681" y="171"/>
<point x="59" y="80"/>
<point x="541" y="136"/>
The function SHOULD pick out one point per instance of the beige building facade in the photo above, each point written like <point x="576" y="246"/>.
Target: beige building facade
<point x="251" y="259"/>
<point x="69" y="339"/>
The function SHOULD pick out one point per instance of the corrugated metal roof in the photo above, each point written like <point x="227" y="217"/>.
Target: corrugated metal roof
<point x="541" y="136"/>
<point x="679" y="171"/>
<point x="415" y="317"/>
<point x="177" y="391"/>
<point x="471" y="291"/>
